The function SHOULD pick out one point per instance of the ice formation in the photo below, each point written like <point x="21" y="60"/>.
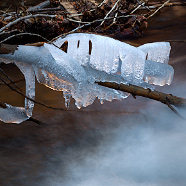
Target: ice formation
<point x="115" y="57"/>
<point x="13" y="114"/>
<point x="89" y="58"/>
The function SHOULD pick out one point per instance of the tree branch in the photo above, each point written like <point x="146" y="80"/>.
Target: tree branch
<point x="22" y="94"/>
<point x="25" y="17"/>
<point x="12" y="82"/>
<point x="139" y="91"/>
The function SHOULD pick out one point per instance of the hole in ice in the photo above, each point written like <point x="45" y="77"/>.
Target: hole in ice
<point x="78" y="43"/>
<point x="90" y="47"/>
<point x="146" y="56"/>
<point x="64" y="46"/>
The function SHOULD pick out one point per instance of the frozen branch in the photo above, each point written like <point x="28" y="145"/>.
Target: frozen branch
<point x="139" y="91"/>
<point x="22" y="94"/>
<point x="3" y="105"/>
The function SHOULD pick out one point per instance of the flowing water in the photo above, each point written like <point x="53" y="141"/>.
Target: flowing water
<point x="133" y="142"/>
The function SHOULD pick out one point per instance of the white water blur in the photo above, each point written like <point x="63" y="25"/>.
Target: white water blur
<point x="145" y="149"/>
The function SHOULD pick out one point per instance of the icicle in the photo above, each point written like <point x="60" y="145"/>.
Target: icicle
<point x="28" y="72"/>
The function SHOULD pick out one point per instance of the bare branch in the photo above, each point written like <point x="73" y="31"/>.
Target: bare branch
<point x="139" y="91"/>
<point x="39" y="6"/>
<point x="25" y="17"/>
<point x="14" y="47"/>
<point x="173" y="109"/>
<point x="138" y="7"/>
<point x="42" y="104"/>
<point x="15" y="81"/>
<point x="9" y="32"/>
<point x="36" y="121"/>
<point x="158" y="9"/>
<point x="1" y="70"/>
<point x="110" y="11"/>
<point x="153" y="5"/>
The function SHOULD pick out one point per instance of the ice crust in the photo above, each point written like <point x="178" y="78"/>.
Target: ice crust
<point x="13" y="114"/>
<point x="89" y="58"/>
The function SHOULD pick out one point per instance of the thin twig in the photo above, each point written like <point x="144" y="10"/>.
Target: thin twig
<point x="27" y="33"/>
<point x="142" y="4"/>
<point x="137" y="8"/>
<point x="158" y="9"/>
<point x="173" y="109"/>
<point x="77" y="21"/>
<point x="114" y="21"/>
<point x="16" y="81"/>
<point x="80" y="14"/>
<point x="110" y="12"/>
<point x="102" y="3"/>
<point x="46" y="10"/>
<point x="36" y="121"/>
<point x="42" y="104"/>
<point x="25" y="17"/>
<point x="88" y="24"/>
<point x="1" y="70"/>
<point x="39" y="6"/>
<point x="21" y="34"/>
<point x="8" y="32"/>
<point x="153" y="6"/>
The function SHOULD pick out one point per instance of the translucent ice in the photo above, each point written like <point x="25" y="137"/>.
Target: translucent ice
<point x="28" y="72"/>
<point x="158" y="73"/>
<point x="115" y="57"/>
<point x="89" y="58"/>
<point x="158" y="51"/>
<point x="59" y="71"/>
<point x="105" y="54"/>
<point x="13" y="114"/>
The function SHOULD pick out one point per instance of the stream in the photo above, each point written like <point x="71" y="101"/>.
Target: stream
<point x="136" y="142"/>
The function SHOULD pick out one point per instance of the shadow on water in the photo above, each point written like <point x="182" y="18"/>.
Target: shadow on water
<point x="142" y="145"/>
